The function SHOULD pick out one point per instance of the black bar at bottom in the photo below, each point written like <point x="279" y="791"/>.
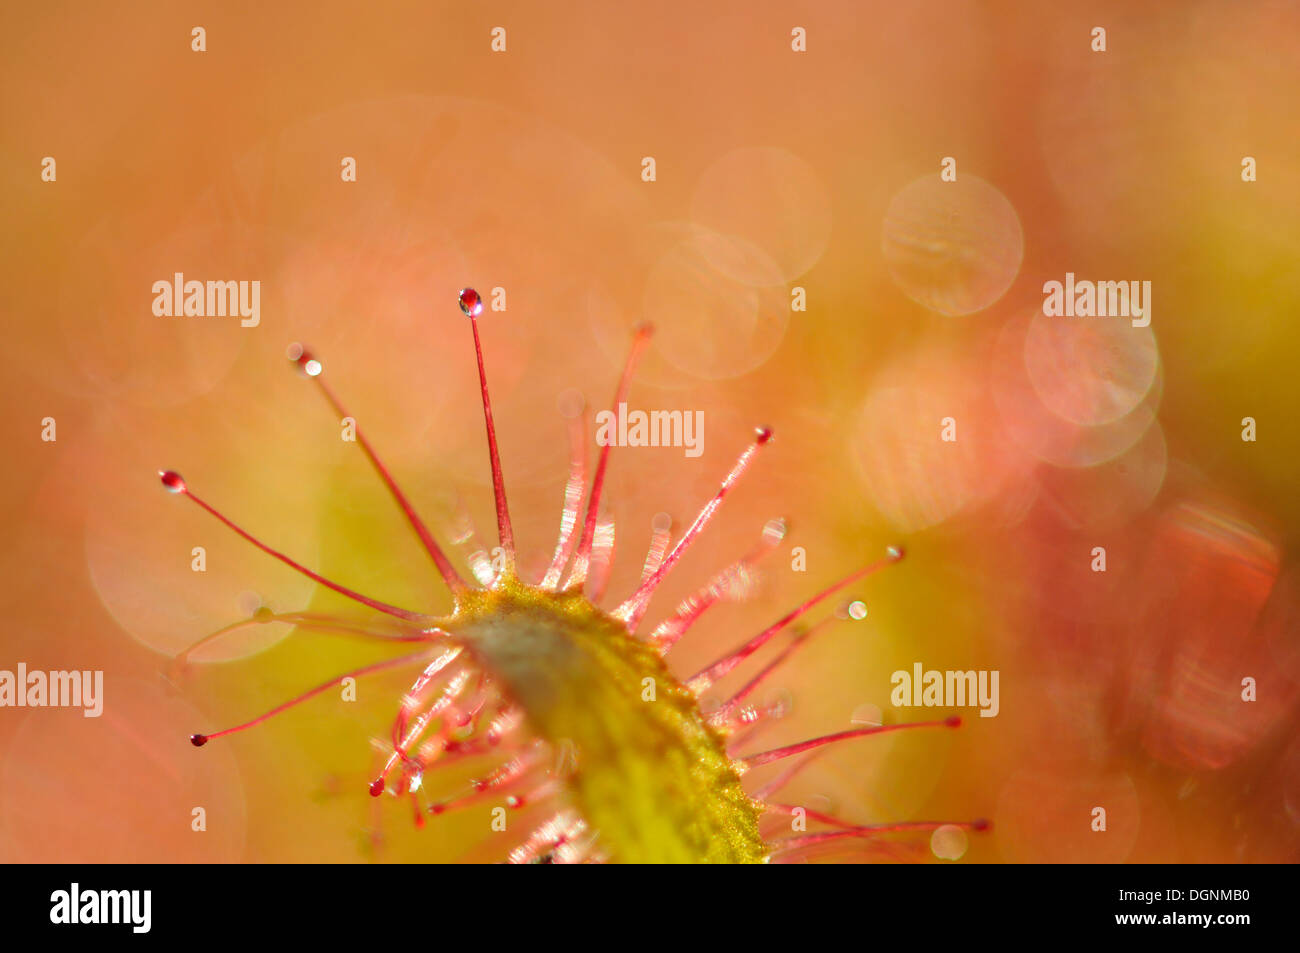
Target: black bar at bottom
<point x="396" y="904"/>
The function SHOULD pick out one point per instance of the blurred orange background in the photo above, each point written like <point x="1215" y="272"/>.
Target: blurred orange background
<point x="775" y="170"/>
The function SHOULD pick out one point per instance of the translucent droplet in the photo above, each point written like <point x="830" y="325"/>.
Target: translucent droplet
<point x="822" y="803"/>
<point x="470" y="302"/>
<point x="570" y="403"/>
<point x="710" y="704"/>
<point x="867" y="714"/>
<point x="857" y="609"/>
<point x="304" y="359"/>
<point x="949" y="842"/>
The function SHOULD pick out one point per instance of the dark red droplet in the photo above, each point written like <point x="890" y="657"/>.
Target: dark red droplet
<point x="763" y="434"/>
<point x="172" y="480"/>
<point x="198" y="740"/>
<point x="953" y="722"/>
<point x="981" y="825"/>
<point x="437" y="808"/>
<point x="376" y="787"/>
<point x="470" y="302"/>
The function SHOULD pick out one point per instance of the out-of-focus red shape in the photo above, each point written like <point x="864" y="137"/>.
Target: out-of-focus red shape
<point x="1208" y="620"/>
